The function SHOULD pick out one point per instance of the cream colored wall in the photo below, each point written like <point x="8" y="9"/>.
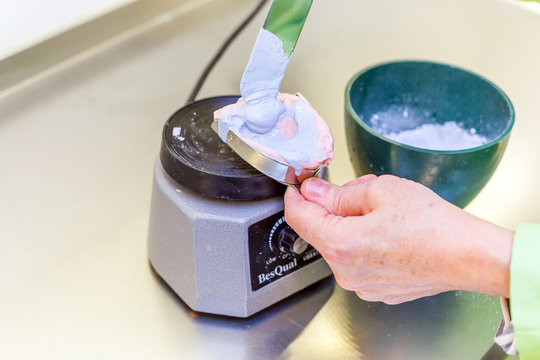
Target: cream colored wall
<point x="24" y="23"/>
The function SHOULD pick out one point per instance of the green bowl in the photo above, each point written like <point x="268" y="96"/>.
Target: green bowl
<point x="410" y="94"/>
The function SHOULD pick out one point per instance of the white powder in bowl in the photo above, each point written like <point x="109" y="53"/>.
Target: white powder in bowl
<point x="447" y="136"/>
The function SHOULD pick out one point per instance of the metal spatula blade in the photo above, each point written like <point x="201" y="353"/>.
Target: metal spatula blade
<point x="274" y="169"/>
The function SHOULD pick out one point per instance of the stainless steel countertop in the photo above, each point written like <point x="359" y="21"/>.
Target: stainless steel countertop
<point x="77" y="146"/>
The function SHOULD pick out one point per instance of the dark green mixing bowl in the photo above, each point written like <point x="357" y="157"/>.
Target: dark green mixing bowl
<point x="415" y="93"/>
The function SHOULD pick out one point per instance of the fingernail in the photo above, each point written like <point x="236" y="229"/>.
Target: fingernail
<point x="316" y="188"/>
<point x="294" y="188"/>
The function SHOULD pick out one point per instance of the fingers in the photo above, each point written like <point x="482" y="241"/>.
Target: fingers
<point x="311" y="221"/>
<point x="349" y="200"/>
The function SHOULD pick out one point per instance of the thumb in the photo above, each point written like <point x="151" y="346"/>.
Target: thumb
<point x="312" y="222"/>
<point x="349" y="200"/>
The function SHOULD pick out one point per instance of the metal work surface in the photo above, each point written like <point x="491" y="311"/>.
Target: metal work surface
<point x="77" y="149"/>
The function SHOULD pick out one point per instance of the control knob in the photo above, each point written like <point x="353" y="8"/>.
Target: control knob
<point x="288" y="240"/>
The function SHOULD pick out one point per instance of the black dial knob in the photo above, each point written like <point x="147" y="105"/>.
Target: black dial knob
<point x="288" y="241"/>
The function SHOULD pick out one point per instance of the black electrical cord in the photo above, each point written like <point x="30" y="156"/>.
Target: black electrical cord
<point x="222" y="50"/>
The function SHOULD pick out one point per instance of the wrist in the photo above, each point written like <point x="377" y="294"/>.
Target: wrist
<point x="489" y="254"/>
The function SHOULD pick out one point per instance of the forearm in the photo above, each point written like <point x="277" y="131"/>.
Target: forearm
<point x="487" y="253"/>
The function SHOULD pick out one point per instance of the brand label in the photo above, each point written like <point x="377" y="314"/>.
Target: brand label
<point x="267" y="263"/>
<point x="279" y="270"/>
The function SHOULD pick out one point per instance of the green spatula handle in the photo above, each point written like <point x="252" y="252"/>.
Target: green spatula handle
<point x="286" y="20"/>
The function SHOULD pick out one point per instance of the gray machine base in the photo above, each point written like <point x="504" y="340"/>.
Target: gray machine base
<point x="199" y="246"/>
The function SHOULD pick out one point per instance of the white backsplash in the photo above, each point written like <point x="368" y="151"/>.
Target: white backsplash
<point x="27" y="22"/>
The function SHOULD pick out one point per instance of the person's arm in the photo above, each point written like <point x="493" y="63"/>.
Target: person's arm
<point x="394" y="240"/>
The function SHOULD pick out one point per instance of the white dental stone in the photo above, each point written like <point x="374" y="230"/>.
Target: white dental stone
<point x="447" y="136"/>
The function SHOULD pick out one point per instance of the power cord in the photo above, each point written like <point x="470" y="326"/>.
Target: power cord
<point x="221" y="51"/>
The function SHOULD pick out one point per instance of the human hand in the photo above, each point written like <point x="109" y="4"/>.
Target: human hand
<point x="394" y="240"/>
